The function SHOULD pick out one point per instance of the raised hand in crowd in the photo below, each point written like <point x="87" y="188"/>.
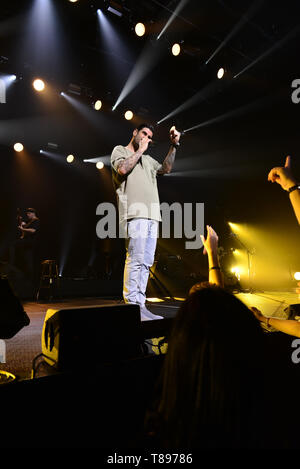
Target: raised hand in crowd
<point x="284" y="177"/>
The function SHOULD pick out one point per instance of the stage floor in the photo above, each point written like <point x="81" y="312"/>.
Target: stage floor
<point x="26" y="344"/>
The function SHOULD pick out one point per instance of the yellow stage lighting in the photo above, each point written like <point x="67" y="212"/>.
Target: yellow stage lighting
<point x="220" y="73"/>
<point x="140" y="29"/>
<point x="175" y="298"/>
<point x="128" y="115"/>
<point x="176" y="49"/>
<point x="98" y="105"/>
<point x="38" y="84"/>
<point x="18" y="147"/>
<point x="155" y="300"/>
<point x="234" y="227"/>
<point x="237" y="271"/>
<point x="99" y="165"/>
<point x="70" y="158"/>
<point x="297" y="275"/>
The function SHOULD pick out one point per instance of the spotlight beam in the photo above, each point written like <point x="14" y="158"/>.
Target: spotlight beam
<point x="195" y="99"/>
<point x="104" y="159"/>
<point x="276" y="46"/>
<point x="85" y="111"/>
<point x="43" y="33"/>
<point x="223" y="172"/>
<point x="147" y="60"/>
<point x="198" y="28"/>
<point x="5" y="82"/>
<point x="176" y="12"/>
<point x="233" y="113"/>
<point x="245" y="19"/>
<point x="251" y="23"/>
<point x="114" y="45"/>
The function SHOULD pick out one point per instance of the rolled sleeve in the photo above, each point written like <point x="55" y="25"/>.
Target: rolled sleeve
<point x="118" y="155"/>
<point x="156" y="166"/>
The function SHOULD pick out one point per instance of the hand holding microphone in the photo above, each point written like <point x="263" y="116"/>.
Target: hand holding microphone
<point x="174" y="136"/>
<point x="143" y="145"/>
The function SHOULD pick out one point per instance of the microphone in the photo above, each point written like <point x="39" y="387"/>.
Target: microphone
<point x="181" y="132"/>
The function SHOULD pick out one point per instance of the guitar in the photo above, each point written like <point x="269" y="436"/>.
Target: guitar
<point x="20" y="222"/>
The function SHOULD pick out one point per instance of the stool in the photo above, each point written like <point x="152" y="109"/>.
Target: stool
<point x="6" y="377"/>
<point x="48" y="278"/>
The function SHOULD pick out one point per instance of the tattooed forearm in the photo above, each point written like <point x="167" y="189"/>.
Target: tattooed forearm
<point x="125" y="166"/>
<point x="168" y="162"/>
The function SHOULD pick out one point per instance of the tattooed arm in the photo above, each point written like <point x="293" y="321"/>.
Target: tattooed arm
<point x="127" y="164"/>
<point x="170" y="158"/>
<point x="168" y="162"/>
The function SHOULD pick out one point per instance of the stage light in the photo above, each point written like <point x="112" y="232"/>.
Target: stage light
<point x="38" y="84"/>
<point x="100" y="165"/>
<point x="128" y="115"/>
<point x="220" y="73"/>
<point x="147" y="60"/>
<point x="176" y="49"/>
<point x="155" y="300"/>
<point x="70" y="158"/>
<point x="105" y="159"/>
<point x="18" y="147"/>
<point x="140" y="29"/>
<point x="8" y="79"/>
<point x="98" y="105"/>
<point x="115" y="9"/>
<point x="297" y="275"/>
<point x="234" y="226"/>
<point x="174" y="14"/>
<point x="73" y="1"/>
<point x="237" y="272"/>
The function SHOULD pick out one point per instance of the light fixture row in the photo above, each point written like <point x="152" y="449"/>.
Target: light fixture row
<point x="39" y="85"/>
<point x="19" y="147"/>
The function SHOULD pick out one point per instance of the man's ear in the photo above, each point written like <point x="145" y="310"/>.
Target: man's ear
<point x="135" y="132"/>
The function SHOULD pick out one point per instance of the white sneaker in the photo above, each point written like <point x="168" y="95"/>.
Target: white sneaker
<point x="146" y="315"/>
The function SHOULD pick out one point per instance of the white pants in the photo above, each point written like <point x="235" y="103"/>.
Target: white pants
<point x="140" y="251"/>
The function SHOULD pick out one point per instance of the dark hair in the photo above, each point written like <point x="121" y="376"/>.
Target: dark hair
<point x="31" y="210"/>
<point x="210" y="387"/>
<point x="149" y="126"/>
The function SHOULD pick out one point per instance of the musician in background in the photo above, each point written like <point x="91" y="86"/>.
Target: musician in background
<point x="23" y="250"/>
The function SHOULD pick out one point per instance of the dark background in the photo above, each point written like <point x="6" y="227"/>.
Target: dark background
<point x="224" y="163"/>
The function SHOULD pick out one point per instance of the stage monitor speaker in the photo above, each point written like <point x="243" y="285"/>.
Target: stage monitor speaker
<point x="12" y="315"/>
<point x="87" y="336"/>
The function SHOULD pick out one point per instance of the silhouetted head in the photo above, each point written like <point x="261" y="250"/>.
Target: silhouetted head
<point x="212" y="370"/>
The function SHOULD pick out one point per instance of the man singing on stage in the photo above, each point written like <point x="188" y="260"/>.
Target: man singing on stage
<point x="134" y="176"/>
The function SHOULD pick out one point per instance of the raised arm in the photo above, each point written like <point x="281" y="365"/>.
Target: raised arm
<point x="211" y="249"/>
<point x="168" y="162"/>
<point x="288" y="326"/>
<point x="284" y="177"/>
<point x="27" y="230"/>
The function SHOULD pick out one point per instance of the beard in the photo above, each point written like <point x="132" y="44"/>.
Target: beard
<point x="135" y="144"/>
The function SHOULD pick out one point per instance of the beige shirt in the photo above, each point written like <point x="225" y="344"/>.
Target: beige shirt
<point x="137" y="192"/>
